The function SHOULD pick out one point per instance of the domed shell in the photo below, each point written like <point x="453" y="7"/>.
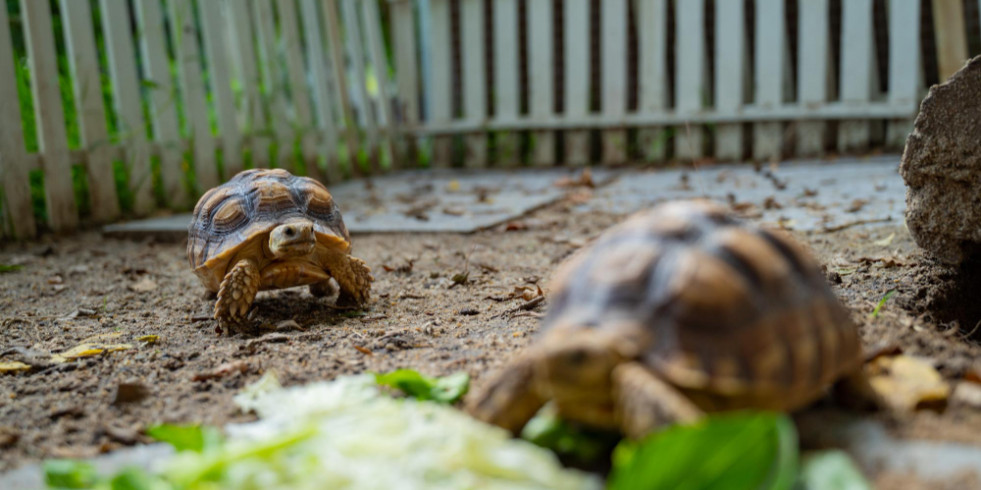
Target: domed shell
<point x="247" y="207"/>
<point x="734" y="315"/>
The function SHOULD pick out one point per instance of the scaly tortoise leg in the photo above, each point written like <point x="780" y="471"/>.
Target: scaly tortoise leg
<point x="352" y="275"/>
<point x="509" y="399"/>
<point x="235" y="296"/>
<point x="644" y="402"/>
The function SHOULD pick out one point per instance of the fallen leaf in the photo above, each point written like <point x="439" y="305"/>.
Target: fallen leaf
<point x="363" y="350"/>
<point x="907" y="383"/>
<point x="87" y="349"/>
<point x="222" y="371"/>
<point x="149" y="339"/>
<point x="584" y="179"/>
<point x="515" y="226"/>
<point x="144" y="285"/>
<point x="13" y="367"/>
<point x="885" y="241"/>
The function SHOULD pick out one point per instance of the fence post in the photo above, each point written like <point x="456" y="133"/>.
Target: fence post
<point x="857" y="70"/>
<point x="905" y="72"/>
<point x="406" y="68"/>
<point x="507" y="92"/>
<point x="321" y="87"/>
<point x="613" y="40"/>
<point x="948" y="26"/>
<point x="14" y="164"/>
<point x="474" y="79"/>
<point x="440" y="78"/>
<point x="690" y="76"/>
<point x="652" y="47"/>
<point x="577" y="62"/>
<point x="813" y="73"/>
<point x="770" y="63"/>
<point x="730" y="76"/>
<point x="541" y="90"/>
<point x="213" y="24"/>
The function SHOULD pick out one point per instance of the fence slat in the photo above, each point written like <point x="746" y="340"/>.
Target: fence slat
<point x="213" y="24"/>
<point x="14" y="162"/>
<point x="274" y="81"/>
<point x="320" y="80"/>
<point x="163" y="101"/>
<point x="187" y="54"/>
<point x="856" y="70"/>
<point x="87" y="87"/>
<point x="613" y="40"/>
<point x="359" y="90"/>
<point x="506" y="82"/>
<point x="770" y="64"/>
<point x="406" y="62"/>
<point x="244" y="57"/>
<point x="813" y="73"/>
<point x="293" y="52"/>
<point x="652" y="73"/>
<point x="441" y="77"/>
<point x="340" y="82"/>
<point x="51" y="136"/>
<point x="730" y="76"/>
<point x="127" y="102"/>
<point x="690" y="76"/>
<point x="905" y="79"/>
<point x="541" y="53"/>
<point x="577" y="62"/>
<point x="379" y="63"/>
<point x="951" y="33"/>
<point x="474" y="79"/>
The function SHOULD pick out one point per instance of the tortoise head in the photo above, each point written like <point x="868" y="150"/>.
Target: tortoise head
<point x="576" y="364"/>
<point x="292" y="239"/>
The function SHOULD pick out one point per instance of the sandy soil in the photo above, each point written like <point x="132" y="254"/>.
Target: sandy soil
<point x="422" y="316"/>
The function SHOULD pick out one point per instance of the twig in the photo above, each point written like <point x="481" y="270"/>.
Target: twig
<point x="831" y="229"/>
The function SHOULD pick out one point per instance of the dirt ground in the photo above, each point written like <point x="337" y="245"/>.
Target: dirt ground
<point x="422" y="316"/>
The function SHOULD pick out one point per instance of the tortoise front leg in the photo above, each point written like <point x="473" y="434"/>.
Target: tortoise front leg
<point x="509" y="399"/>
<point x="352" y="275"/>
<point x="235" y="296"/>
<point x="644" y="402"/>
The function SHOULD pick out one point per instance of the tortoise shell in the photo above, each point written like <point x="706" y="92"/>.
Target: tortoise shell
<point x="733" y="315"/>
<point x="235" y="215"/>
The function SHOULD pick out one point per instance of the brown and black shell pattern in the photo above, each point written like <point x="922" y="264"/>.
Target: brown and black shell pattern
<point x="249" y="206"/>
<point x="733" y="315"/>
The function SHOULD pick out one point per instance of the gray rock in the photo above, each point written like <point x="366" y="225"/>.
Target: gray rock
<point x="942" y="168"/>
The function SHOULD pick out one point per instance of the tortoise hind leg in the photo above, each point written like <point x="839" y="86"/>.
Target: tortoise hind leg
<point x="238" y="290"/>
<point x="644" y="402"/>
<point x="509" y="400"/>
<point x="352" y="275"/>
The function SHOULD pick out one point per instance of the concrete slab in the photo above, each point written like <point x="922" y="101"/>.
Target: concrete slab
<point x="807" y="195"/>
<point x="445" y="200"/>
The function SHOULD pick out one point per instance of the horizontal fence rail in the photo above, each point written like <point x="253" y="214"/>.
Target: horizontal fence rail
<point x="116" y="108"/>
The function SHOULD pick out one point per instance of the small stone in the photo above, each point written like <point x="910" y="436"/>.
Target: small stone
<point x="941" y="166"/>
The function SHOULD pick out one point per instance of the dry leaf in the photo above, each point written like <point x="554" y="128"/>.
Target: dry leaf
<point x="144" y="285"/>
<point x="13" y="367"/>
<point x="149" y="339"/>
<point x="906" y="383"/>
<point x="885" y="241"/>
<point x="87" y="349"/>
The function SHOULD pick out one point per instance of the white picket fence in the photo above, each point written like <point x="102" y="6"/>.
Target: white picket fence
<point x="203" y="87"/>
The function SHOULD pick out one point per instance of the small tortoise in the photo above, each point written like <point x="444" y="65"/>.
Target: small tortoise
<point x="679" y="310"/>
<point x="268" y="229"/>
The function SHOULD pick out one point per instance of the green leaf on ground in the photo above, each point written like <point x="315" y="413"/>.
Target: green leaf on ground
<point x="830" y="470"/>
<point x="740" y="450"/>
<point x="10" y="268"/>
<point x="882" y="302"/>
<point x="67" y="473"/>
<point x="570" y="442"/>
<point x="186" y="437"/>
<point x="447" y="389"/>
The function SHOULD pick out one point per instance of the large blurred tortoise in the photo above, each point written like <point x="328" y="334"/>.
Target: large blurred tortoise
<point x="268" y="229"/>
<point x="679" y="310"/>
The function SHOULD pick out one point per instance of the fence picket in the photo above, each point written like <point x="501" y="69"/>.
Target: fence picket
<point x="340" y="83"/>
<point x="813" y="76"/>
<point x="652" y="50"/>
<point x="244" y="57"/>
<point x="320" y="81"/>
<point x="690" y="76"/>
<point x="613" y="40"/>
<point x="163" y="102"/>
<point x="541" y="102"/>
<point x="213" y="23"/>
<point x="856" y="70"/>
<point x="359" y="90"/>
<point x="441" y="77"/>
<point x="951" y="32"/>
<point x="297" y="81"/>
<point x="474" y="79"/>
<point x="905" y="80"/>
<point x="577" y="62"/>
<point x="87" y="87"/>
<point x="274" y="81"/>
<point x="379" y="63"/>
<point x="183" y="34"/>
<point x="730" y="77"/>
<point x="770" y="64"/>
<point x="506" y="82"/>
<point x="406" y="65"/>
<point x="52" y="139"/>
<point x="13" y="156"/>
